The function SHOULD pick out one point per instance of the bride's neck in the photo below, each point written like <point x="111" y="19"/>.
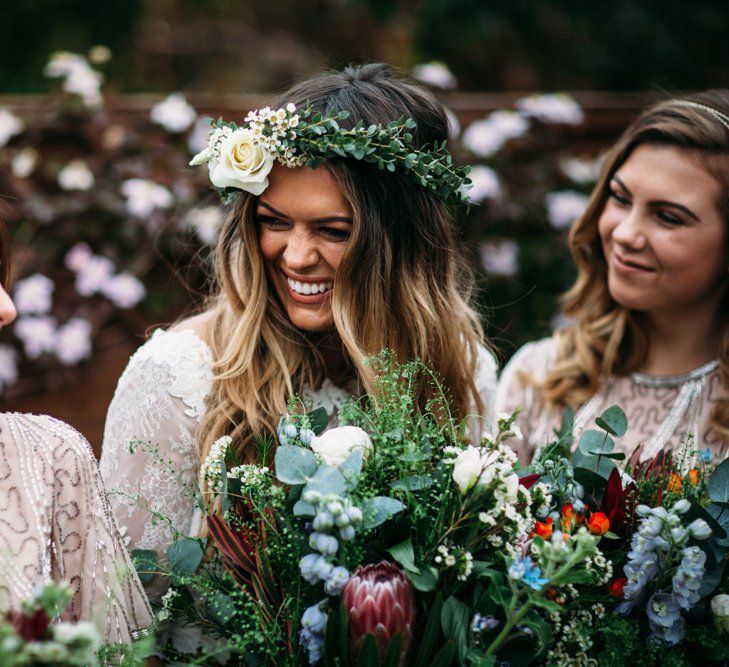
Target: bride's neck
<point x="337" y="365"/>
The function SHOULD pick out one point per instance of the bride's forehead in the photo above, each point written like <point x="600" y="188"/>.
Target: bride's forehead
<point x="304" y="192"/>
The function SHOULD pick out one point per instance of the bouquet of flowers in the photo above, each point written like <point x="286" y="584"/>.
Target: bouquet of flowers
<point x="392" y="539"/>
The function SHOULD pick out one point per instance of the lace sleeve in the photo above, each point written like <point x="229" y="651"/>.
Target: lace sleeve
<point x="156" y="409"/>
<point x="87" y="549"/>
<point x="511" y="393"/>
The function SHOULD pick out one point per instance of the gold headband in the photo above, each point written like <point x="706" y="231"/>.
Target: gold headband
<point x="715" y="113"/>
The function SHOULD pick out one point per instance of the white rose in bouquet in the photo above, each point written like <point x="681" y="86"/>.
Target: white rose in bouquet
<point x="243" y="163"/>
<point x="476" y="466"/>
<point x="720" y="609"/>
<point x="335" y="445"/>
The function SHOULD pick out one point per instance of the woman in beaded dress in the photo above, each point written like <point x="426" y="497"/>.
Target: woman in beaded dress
<point x="648" y="316"/>
<point x="323" y="269"/>
<point x="55" y="520"/>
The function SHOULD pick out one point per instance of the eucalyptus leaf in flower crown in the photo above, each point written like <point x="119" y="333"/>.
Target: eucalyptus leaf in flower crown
<point x="241" y="157"/>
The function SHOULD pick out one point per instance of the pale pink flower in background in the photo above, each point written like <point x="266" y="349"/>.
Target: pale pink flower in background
<point x="77" y="257"/>
<point x="33" y="295"/>
<point x="485" y="137"/>
<point x="580" y="170"/>
<point x="174" y="113"/>
<point x="485" y="184"/>
<point x="94" y="274"/>
<point x="558" y="108"/>
<point x="63" y="63"/>
<point x="436" y="74"/>
<point x="197" y="140"/>
<point x="73" y="341"/>
<point x="10" y="125"/>
<point x="23" y="164"/>
<point x="76" y="176"/>
<point x="564" y="207"/>
<point x="145" y="196"/>
<point x="8" y="366"/>
<point x="78" y="76"/>
<point x="500" y="258"/>
<point x="124" y="290"/>
<point x="38" y="335"/>
<point x="99" y="54"/>
<point x="206" y="222"/>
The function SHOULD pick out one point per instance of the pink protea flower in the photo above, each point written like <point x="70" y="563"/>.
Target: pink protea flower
<point x="379" y="601"/>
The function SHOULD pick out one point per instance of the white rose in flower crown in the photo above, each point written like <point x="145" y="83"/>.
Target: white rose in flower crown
<point x="242" y="164"/>
<point x="335" y="445"/>
<point x="720" y="609"/>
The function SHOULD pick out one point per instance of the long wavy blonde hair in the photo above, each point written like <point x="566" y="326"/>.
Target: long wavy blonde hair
<point x="606" y="339"/>
<point x="401" y="283"/>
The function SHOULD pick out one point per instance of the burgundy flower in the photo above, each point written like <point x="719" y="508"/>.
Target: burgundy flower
<point x="31" y="627"/>
<point x="379" y="601"/>
<point x="617" y="503"/>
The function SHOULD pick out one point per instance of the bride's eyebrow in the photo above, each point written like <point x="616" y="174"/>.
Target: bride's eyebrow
<point x="272" y="209"/>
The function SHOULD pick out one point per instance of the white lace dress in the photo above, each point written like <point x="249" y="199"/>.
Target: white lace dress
<point x="159" y="400"/>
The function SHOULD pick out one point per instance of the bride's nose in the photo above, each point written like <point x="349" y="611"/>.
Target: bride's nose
<point x="300" y="252"/>
<point x="7" y="308"/>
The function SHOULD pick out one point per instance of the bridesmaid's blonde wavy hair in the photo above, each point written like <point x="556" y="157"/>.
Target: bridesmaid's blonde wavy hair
<point x="400" y="284"/>
<point x="604" y="338"/>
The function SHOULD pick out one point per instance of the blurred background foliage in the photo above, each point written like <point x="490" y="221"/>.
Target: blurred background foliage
<point x="236" y="46"/>
<point x="108" y="168"/>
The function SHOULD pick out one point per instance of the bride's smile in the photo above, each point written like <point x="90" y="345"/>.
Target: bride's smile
<point x="304" y="226"/>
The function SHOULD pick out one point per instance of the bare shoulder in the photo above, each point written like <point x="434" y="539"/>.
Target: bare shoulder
<point x="197" y="324"/>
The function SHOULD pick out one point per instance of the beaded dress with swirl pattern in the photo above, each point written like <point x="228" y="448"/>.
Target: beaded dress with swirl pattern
<point x="661" y="410"/>
<point x="160" y="399"/>
<point x="56" y="525"/>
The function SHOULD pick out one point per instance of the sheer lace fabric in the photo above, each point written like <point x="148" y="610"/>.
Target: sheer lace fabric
<point x="56" y="524"/>
<point x="661" y="411"/>
<point x="160" y="399"/>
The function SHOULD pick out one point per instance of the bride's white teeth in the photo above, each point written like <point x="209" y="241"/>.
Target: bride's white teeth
<point x="308" y="288"/>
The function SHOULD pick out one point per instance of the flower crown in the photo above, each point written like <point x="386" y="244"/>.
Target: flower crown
<point x="241" y="157"/>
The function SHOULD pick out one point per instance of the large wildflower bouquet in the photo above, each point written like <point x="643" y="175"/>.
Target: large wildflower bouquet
<point x="396" y="538"/>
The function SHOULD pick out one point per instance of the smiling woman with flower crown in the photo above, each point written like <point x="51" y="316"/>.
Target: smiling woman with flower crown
<point x="340" y="243"/>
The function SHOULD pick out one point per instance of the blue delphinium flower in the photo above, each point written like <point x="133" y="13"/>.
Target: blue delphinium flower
<point x="324" y="544"/>
<point x="664" y="618"/>
<point x="337" y="580"/>
<point x="307" y="567"/>
<point x="526" y="570"/>
<point x="313" y="625"/>
<point x="688" y="577"/>
<point x="480" y="623"/>
<point x="705" y="455"/>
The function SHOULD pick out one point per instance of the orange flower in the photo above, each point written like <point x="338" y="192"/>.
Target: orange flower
<point x="694" y="476"/>
<point x="674" y="483"/>
<point x="543" y="529"/>
<point x="570" y="518"/>
<point x="598" y="523"/>
<point x="616" y="587"/>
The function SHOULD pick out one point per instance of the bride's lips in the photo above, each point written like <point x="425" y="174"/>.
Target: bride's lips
<point x="306" y="299"/>
<point x="629" y="266"/>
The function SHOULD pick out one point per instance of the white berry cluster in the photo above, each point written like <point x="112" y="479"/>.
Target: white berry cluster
<point x="455" y="557"/>
<point x="212" y="465"/>
<point x="273" y="129"/>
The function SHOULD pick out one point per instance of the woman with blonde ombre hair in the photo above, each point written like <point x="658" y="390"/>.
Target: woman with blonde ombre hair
<point x="648" y="316"/>
<point x="318" y="269"/>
